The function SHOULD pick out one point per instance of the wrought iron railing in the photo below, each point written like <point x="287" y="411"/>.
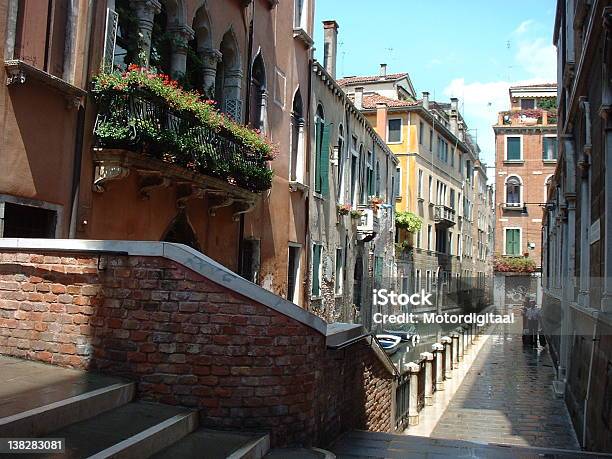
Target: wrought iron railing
<point x="402" y="400"/>
<point x="152" y="127"/>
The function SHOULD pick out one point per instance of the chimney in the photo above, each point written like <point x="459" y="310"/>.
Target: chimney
<point x="381" y="120"/>
<point x="454" y="126"/>
<point x="425" y="100"/>
<point x="454" y="104"/>
<point x="359" y="98"/>
<point x="383" y="70"/>
<point x="330" y="39"/>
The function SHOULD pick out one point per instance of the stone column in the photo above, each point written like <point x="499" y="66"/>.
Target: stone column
<point x="461" y="344"/>
<point x="455" y="357"/>
<point x="210" y="59"/>
<point x="145" y="11"/>
<point x="231" y="94"/>
<point x="413" y="412"/>
<point x="448" y="358"/>
<point x="428" y="357"/>
<point x="438" y="352"/>
<point x="181" y="36"/>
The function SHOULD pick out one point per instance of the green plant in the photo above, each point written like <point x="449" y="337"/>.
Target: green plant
<point x="356" y="214"/>
<point x="403" y="246"/>
<point x="408" y="221"/>
<point x="514" y="264"/>
<point x="548" y="103"/>
<point x="343" y="209"/>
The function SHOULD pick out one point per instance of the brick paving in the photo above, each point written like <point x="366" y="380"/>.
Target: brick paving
<point x="507" y="398"/>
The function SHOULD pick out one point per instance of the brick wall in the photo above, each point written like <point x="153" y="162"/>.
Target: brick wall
<point x="189" y="341"/>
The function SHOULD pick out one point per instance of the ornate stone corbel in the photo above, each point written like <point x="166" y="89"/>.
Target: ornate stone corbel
<point x="186" y="192"/>
<point x="150" y="180"/>
<point x="15" y="76"/>
<point x="223" y="200"/>
<point x="245" y="206"/>
<point x="105" y="172"/>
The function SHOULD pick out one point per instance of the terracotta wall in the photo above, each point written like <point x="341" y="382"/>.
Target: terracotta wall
<point x="188" y="341"/>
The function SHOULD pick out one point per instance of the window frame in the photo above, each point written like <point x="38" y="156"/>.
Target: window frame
<point x="521" y="152"/>
<point x="549" y="160"/>
<point x="319" y="293"/>
<point x="519" y="204"/>
<point x="514" y="228"/>
<point x="401" y="129"/>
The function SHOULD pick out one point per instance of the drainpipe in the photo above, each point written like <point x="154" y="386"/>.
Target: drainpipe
<point x="247" y="117"/>
<point x="80" y="131"/>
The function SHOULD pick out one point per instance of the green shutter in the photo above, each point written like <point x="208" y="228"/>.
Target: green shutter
<point x="317" y="183"/>
<point x="513" y="148"/>
<point x="325" y="161"/>
<point x="513" y="242"/>
<point x="316" y="265"/>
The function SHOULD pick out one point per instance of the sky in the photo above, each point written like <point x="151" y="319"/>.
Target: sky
<point x="472" y="50"/>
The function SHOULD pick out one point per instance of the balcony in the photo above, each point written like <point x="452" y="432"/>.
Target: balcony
<point x="444" y="216"/>
<point x="524" y="118"/>
<point x="150" y="127"/>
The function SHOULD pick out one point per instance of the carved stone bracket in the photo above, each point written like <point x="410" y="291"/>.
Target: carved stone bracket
<point x="105" y="172"/>
<point x="15" y="75"/>
<point x="149" y="180"/>
<point x="244" y="207"/>
<point x="222" y="200"/>
<point x="186" y="191"/>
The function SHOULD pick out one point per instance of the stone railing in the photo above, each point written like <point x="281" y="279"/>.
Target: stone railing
<point x="419" y="381"/>
<point x="190" y="332"/>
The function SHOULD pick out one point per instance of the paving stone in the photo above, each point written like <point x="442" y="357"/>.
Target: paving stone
<point x="506" y="398"/>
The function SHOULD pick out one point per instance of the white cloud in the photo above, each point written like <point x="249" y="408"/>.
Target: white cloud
<point x="523" y="27"/>
<point x="480" y="101"/>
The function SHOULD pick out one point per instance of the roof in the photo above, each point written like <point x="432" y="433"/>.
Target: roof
<point x="370" y="101"/>
<point x="529" y="86"/>
<point x="351" y="80"/>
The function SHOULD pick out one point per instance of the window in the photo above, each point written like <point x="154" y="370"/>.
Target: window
<point x="317" y="250"/>
<point x="354" y="171"/>
<point x="370" y="185"/>
<point x="257" y="117"/>
<point x="293" y="273"/>
<point x="452" y="199"/>
<point x="513" y="191"/>
<point x="27" y="221"/>
<point x="428" y="281"/>
<point x="394" y="131"/>
<point x="42" y="47"/>
<point x="321" y="175"/>
<point x="397" y="190"/>
<point x="549" y="148"/>
<point x="419" y="237"/>
<point x="429" y="237"/>
<point x="421" y="132"/>
<point x="527" y="104"/>
<point x="429" y="189"/>
<point x="431" y="139"/>
<point x="513" y="241"/>
<point x="297" y="140"/>
<point x="546" y="187"/>
<point x="250" y="260"/>
<point x="299" y="16"/>
<point x="340" y="159"/>
<point x="339" y="271"/>
<point x="417" y="280"/>
<point x="514" y="148"/>
<point x="420" y="184"/>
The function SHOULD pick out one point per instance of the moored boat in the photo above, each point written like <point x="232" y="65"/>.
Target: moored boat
<point x="389" y="343"/>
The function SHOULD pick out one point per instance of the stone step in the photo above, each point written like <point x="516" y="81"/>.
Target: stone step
<point x="137" y="430"/>
<point x="36" y="398"/>
<point x="214" y="444"/>
<point x="368" y="445"/>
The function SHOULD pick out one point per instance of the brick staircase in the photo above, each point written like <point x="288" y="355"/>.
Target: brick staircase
<point x="99" y="417"/>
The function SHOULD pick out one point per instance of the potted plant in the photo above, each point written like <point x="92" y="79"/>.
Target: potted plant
<point x="343" y="209"/>
<point x="356" y="214"/>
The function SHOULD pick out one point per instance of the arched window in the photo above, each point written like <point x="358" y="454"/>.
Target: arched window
<point x="513" y="191"/>
<point x="321" y="179"/>
<point x="297" y="139"/>
<point x="547" y="187"/>
<point x="257" y="103"/>
<point x="229" y="77"/>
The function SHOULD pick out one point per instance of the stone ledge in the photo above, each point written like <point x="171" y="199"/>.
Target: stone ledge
<point x="182" y="254"/>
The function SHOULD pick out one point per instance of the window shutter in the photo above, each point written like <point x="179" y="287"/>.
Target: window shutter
<point x="110" y="36"/>
<point x="325" y="161"/>
<point x="316" y="267"/>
